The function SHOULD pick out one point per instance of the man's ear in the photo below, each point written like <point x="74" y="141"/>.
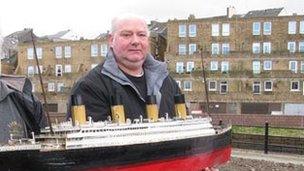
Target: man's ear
<point x="110" y="40"/>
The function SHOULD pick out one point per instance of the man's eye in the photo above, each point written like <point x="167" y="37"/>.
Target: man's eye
<point x="142" y="35"/>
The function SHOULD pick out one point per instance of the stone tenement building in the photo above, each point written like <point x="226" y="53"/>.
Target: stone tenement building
<point x="254" y="62"/>
<point x="62" y="62"/>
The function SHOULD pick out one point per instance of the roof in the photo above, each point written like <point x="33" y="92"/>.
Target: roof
<point x="158" y="28"/>
<point x="274" y="12"/>
<point x="62" y="36"/>
<point x="11" y="41"/>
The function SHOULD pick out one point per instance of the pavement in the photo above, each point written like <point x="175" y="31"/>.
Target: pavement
<point x="271" y="156"/>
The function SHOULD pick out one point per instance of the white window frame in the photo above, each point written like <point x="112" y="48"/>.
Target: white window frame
<point x="215" y="86"/>
<point x="225" y="29"/>
<point x="94" y="50"/>
<point x="60" y="87"/>
<point x="256" y="48"/>
<point x="256" y="84"/>
<point x="265" y="87"/>
<point x="190" y="66"/>
<point x="103" y="49"/>
<point x="58" y="52"/>
<point x="51" y="87"/>
<point x="213" y="65"/>
<point x="41" y="69"/>
<point x="93" y="65"/>
<point x="267" y="29"/>
<point x="30" y="53"/>
<point x="225" y="48"/>
<point x="301" y="46"/>
<point x="301" y="31"/>
<point x="215" y="48"/>
<point x="192" y="48"/>
<point x="67" y="68"/>
<point x="56" y="70"/>
<point x="179" y="83"/>
<point x="215" y="30"/>
<point x="266" y="47"/>
<point x="223" y="83"/>
<point x="39" y="52"/>
<point x="182" y="49"/>
<point x="256" y="28"/>
<point x="192" y="30"/>
<point x="67" y="51"/>
<point x="295" y="64"/>
<point x="291" y="85"/>
<point x="267" y="65"/>
<point x="225" y="66"/>
<point x="256" y="67"/>
<point x="182" y="30"/>
<point x="292" y="27"/>
<point x="179" y="67"/>
<point x="302" y="67"/>
<point x="291" y="46"/>
<point x="30" y="71"/>
<point x="186" y="83"/>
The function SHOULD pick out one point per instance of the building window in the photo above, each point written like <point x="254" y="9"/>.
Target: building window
<point x="215" y="30"/>
<point x="58" y="52"/>
<point x="225" y="66"/>
<point x="58" y="70"/>
<point x="267" y="65"/>
<point x="302" y="66"/>
<point x="256" y="87"/>
<point x="293" y="66"/>
<point x="60" y="87"/>
<point x="225" y="48"/>
<point x="291" y="46"/>
<point x="94" y="50"/>
<point x="30" y="53"/>
<point x="187" y="85"/>
<point x="267" y="28"/>
<point x="295" y="86"/>
<point x="192" y="30"/>
<point x="215" y="49"/>
<point x="266" y="47"/>
<point x="223" y="87"/>
<point x="51" y="87"/>
<point x="256" y="27"/>
<point x="30" y="71"/>
<point x="192" y="49"/>
<point x="212" y="86"/>
<point x="301" y="46"/>
<point x="190" y="66"/>
<point x="225" y="29"/>
<point x="179" y="67"/>
<point x="213" y="65"/>
<point x="39" y="53"/>
<point x="268" y="86"/>
<point x="67" y="51"/>
<point x="67" y="69"/>
<point x="41" y="69"/>
<point x="93" y="66"/>
<point x="103" y="49"/>
<point x="256" y="48"/>
<point x="182" y="30"/>
<point x="301" y="27"/>
<point x="256" y="67"/>
<point x="179" y="83"/>
<point x="292" y="27"/>
<point x="182" y="49"/>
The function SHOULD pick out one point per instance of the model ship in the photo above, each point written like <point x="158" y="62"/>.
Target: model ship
<point x="179" y="143"/>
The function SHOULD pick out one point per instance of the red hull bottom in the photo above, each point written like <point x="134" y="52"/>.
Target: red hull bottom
<point x="190" y="163"/>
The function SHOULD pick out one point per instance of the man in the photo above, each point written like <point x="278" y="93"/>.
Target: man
<point x="129" y="72"/>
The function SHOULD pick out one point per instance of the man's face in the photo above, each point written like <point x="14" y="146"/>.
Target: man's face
<point x="130" y="43"/>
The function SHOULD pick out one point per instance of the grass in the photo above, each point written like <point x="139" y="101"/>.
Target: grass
<point x="285" y="132"/>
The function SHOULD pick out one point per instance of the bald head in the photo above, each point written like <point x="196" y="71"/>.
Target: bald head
<point x="116" y="21"/>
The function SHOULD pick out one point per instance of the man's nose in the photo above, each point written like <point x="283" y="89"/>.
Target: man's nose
<point x="135" y="40"/>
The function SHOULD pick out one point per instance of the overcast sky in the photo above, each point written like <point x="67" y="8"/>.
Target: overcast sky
<point x="91" y="17"/>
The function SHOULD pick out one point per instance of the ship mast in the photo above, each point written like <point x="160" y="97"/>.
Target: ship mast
<point x="41" y="84"/>
<point x="205" y="84"/>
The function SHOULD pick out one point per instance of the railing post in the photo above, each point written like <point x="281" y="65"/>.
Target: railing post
<point x="266" y="138"/>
